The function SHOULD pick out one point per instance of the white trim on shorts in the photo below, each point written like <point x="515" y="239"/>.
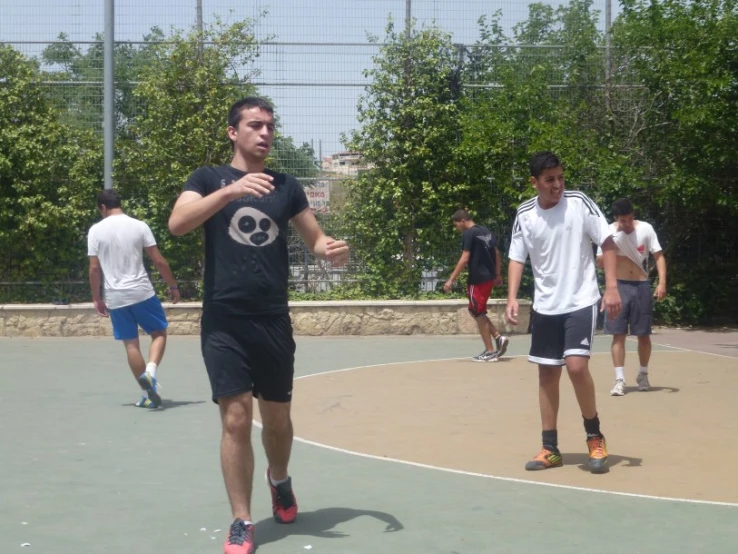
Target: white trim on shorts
<point x="577" y="352"/>
<point x="545" y="361"/>
<point x="587" y="352"/>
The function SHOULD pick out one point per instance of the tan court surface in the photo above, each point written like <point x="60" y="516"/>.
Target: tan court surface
<point x="483" y="418"/>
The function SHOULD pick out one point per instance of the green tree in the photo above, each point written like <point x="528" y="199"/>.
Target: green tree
<point x="76" y="78"/>
<point x="76" y="82"/>
<point x="541" y="89"/>
<point x="543" y="92"/>
<point x="682" y="133"/>
<point x="684" y="53"/>
<point x="299" y="161"/>
<point x="183" y="94"/>
<point x="409" y="125"/>
<point x="171" y="100"/>
<point x="48" y="175"/>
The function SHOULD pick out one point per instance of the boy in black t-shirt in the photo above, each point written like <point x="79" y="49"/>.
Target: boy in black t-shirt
<point x="480" y="253"/>
<point x="246" y="335"/>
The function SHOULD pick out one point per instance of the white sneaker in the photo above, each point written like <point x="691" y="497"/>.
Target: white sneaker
<point x="642" y="381"/>
<point x="618" y="389"/>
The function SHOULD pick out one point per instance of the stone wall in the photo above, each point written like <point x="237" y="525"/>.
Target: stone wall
<point x="441" y="317"/>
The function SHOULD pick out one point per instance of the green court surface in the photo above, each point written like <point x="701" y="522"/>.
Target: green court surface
<point x="83" y="470"/>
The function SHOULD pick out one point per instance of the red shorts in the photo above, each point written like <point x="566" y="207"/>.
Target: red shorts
<point x="478" y="295"/>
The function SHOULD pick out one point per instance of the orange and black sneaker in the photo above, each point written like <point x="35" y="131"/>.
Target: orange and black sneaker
<point x="284" y="503"/>
<point x="545" y="459"/>
<point x="597" y="454"/>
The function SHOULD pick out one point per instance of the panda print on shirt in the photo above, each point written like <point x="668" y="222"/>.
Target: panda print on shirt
<point x="251" y="227"/>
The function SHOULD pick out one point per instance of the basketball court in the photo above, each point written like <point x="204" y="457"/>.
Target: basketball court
<point x="404" y="445"/>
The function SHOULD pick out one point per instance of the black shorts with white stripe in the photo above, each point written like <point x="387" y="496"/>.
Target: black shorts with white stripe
<point x="555" y="337"/>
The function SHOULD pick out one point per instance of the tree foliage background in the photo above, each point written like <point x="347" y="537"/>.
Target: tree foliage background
<point x="172" y="96"/>
<point x="442" y="126"/>
<point x="657" y="124"/>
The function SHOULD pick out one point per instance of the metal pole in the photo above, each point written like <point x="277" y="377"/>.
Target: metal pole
<point x="109" y="92"/>
<point x="608" y="53"/>
<point x="199" y="27"/>
<point x="408" y="18"/>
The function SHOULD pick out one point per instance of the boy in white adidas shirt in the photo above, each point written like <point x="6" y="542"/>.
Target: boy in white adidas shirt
<point x="634" y="241"/>
<point x="556" y="230"/>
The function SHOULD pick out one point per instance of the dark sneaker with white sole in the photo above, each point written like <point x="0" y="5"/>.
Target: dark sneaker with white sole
<point x="486" y="356"/>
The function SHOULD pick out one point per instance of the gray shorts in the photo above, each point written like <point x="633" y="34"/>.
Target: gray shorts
<point x="637" y="310"/>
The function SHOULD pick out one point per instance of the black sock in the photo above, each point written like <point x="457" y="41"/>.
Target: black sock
<point x="592" y="426"/>
<point x="551" y="440"/>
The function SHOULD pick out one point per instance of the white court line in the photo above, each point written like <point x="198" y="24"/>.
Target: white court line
<point x="485" y="475"/>
<point x="385" y="364"/>
<point x="510" y="479"/>
<point x="691" y="350"/>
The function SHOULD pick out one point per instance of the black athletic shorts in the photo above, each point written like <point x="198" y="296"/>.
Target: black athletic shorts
<point x="249" y="354"/>
<point x="637" y="311"/>
<point x="554" y="337"/>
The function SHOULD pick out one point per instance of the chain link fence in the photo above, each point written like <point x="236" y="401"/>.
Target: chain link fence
<point x="310" y="60"/>
<point x="310" y="57"/>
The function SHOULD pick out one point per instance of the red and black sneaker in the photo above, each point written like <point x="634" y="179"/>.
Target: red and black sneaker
<point x="240" y="538"/>
<point x="284" y="504"/>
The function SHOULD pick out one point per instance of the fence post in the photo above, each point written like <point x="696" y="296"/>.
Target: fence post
<point x="109" y="92"/>
<point x="408" y="17"/>
<point x="608" y="55"/>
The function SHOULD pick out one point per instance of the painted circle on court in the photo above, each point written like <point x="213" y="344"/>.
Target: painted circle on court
<point x="484" y="419"/>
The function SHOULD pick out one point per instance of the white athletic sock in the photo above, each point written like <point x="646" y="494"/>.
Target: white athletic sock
<point x="275" y="483"/>
<point x="644" y="369"/>
<point x="151" y="368"/>
<point x="620" y="373"/>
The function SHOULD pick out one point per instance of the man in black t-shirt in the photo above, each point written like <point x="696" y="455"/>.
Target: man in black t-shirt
<point x="481" y="255"/>
<point x="246" y="332"/>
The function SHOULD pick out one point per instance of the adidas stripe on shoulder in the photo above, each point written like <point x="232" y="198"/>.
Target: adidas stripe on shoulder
<point x="526" y="206"/>
<point x="584" y="199"/>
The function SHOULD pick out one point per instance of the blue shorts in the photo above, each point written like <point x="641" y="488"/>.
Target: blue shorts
<point x="149" y="314"/>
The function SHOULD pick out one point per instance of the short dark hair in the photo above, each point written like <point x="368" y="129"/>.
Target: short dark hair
<point x="110" y="198"/>
<point x="541" y="161"/>
<point x="234" y="114"/>
<point x="623" y="206"/>
<point x="460" y="215"/>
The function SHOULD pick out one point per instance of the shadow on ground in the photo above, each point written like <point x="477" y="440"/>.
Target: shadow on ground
<point x="168" y="404"/>
<point x="634" y="388"/>
<point x="581" y="460"/>
<point x="320" y="524"/>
